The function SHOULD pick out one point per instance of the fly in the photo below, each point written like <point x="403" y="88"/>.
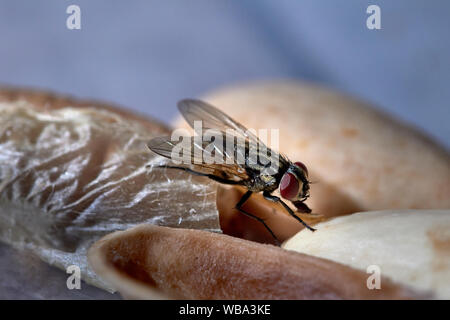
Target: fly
<point x="291" y="178"/>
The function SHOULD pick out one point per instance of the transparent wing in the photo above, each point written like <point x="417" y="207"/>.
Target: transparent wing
<point x="227" y="168"/>
<point x="193" y="150"/>
<point x="162" y="146"/>
<point x="245" y="145"/>
<point x="212" y="118"/>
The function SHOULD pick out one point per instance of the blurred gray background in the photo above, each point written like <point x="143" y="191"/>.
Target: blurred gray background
<point x="146" y="55"/>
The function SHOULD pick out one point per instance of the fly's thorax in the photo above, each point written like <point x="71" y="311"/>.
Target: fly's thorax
<point x="260" y="182"/>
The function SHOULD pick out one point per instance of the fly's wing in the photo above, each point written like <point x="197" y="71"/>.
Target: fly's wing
<point x="212" y="118"/>
<point x="162" y="146"/>
<point x="192" y="158"/>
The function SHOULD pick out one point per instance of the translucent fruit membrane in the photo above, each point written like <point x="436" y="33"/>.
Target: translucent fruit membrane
<point x="69" y="176"/>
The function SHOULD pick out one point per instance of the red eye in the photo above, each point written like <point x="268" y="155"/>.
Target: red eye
<point x="289" y="186"/>
<point x="302" y="166"/>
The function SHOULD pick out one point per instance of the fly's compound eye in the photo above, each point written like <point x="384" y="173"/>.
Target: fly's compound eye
<point x="302" y="166"/>
<point x="289" y="186"/>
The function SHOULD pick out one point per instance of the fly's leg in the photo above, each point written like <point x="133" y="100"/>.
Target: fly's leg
<point x="211" y="176"/>
<point x="241" y="202"/>
<point x="273" y="198"/>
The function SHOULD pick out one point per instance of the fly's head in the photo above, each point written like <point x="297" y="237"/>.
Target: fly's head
<point x="294" y="186"/>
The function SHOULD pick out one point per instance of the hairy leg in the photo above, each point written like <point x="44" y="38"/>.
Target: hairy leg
<point x="273" y="198"/>
<point x="241" y="202"/>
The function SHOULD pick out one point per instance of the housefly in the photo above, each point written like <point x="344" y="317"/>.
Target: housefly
<point x="291" y="178"/>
